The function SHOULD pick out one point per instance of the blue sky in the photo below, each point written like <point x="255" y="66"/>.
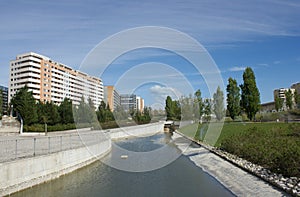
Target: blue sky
<point x="262" y="34"/>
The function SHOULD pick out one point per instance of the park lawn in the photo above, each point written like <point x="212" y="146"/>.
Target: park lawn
<point x="275" y="146"/>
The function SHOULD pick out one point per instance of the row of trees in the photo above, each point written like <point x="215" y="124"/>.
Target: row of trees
<point x="248" y="101"/>
<point x="243" y="98"/>
<point x="36" y="112"/>
<point x="195" y="107"/>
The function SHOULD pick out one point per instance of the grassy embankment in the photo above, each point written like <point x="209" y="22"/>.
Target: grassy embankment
<point x="275" y="146"/>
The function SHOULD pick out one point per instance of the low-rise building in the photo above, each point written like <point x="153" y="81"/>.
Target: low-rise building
<point x="267" y="107"/>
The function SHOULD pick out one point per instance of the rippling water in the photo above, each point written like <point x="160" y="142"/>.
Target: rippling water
<point x="180" y="178"/>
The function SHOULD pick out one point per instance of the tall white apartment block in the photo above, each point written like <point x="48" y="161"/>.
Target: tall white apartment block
<point x="51" y="81"/>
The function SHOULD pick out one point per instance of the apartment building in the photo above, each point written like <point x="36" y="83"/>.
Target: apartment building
<point x="132" y="102"/>
<point x="112" y="97"/>
<point x="280" y="93"/>
<point x="140" y="103"/>
<point x="52" y="81"/>
<point x="4" y="99"/>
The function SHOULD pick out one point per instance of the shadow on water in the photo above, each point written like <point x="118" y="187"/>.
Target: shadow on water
<point x="179" y="178"/>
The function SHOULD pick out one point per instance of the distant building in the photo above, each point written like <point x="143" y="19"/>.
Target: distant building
<point x="128" y="102"/>
<point x="296" y="86"/>
<point x="132" y="102"/>
<point x="140" y="104"/>
<point x="112" y="97"/>
<point x="4" y="99"/>
<point x="51" y="81"/>
<point x="267" y="107"/>
<point x="280" y="93"/>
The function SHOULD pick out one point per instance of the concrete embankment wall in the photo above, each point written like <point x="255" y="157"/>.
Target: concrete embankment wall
<point x="24" y="173"/>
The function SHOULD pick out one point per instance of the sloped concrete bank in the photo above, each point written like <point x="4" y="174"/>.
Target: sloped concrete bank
<point x="24" y="173"/>
<point x="136" y="131"/>
<point x="237" y="180"/>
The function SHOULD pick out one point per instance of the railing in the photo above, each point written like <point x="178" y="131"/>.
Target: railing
<point x="12" y="149"/>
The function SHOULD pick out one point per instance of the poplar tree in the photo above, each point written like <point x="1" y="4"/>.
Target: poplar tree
<point x="218" y="104"/>
<point x="233" y="98"/>
<point x="250" y="100"/>
<point x="278" y="103"/>
<point x="289" y="99"/>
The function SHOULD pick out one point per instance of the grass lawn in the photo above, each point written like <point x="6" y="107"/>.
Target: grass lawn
<point x="273" y="145"/>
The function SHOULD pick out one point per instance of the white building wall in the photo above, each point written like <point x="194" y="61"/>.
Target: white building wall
<point x="52" y="81"/>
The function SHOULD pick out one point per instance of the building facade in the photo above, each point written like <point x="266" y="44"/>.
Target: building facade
<point x="296" y="86"/>
<point x="4" y="99"/>
<point x="128" y="101"/>
<point x="280" y="93"/>
<point x="132" y="102"/>
<point x="267" y="107"/>
<point x="51" y="81"/>
<point x="140" y="103"/>
<point x="112" y="97"/>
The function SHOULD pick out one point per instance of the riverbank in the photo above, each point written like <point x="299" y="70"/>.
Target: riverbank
<point x="269" y="151"/>
<point x="26" y="172"/>
<point x="240" y="182"/>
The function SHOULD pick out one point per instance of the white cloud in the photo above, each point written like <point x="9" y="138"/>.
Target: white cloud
<point x="160" y="93"/>
<point x="277" y="62"/>
<point x="237" y="68"/>
<point x="263" y="64"/>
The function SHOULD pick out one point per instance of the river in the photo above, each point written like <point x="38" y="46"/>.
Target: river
<point x="179" y="178"/>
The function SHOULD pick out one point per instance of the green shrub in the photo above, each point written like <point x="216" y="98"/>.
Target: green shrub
<point x="277" y="149"/>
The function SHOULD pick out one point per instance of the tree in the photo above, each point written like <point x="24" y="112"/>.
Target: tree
<point x="233" y="98"/>
<point x="289" y="99"/>
<point x="250" y="100"/>
<point x="218" y="104"/>
<point x="198" y="105"/>
<point x="65" y="111"/>
<point x="169" y="108"/>
<point x="278" y="103"/>
<point x="92" y="111"/>
<point x="24" y="103"/>
<point x="103" y="113"/>
<point x="297" y="99"/>
<point x="187" y="110"/>
<point x="207" y="109"/>
<point x="120" y="114"/>
<point x="47" y="113"/>
<point x="82" y="112"/>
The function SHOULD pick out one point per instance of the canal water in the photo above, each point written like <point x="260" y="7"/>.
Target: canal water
<point x="179" y="178"/>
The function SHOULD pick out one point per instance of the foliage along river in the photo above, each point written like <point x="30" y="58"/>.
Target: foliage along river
<point x="179" y="178"/>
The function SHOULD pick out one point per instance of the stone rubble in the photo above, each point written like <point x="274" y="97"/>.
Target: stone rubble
<point x="289" y="184"/>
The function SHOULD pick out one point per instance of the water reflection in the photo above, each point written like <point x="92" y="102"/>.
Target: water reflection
<point x="180" y="178"/>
